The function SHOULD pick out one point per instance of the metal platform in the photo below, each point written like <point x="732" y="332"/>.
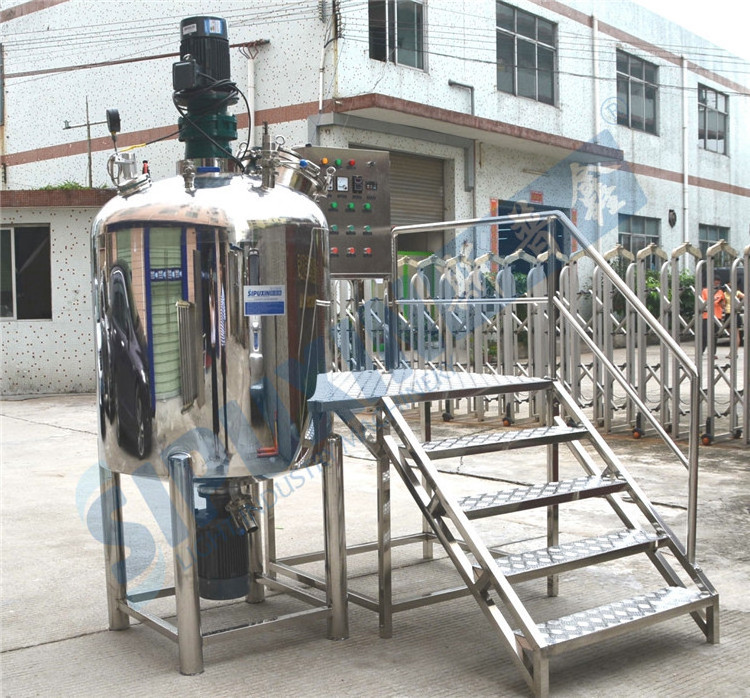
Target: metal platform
<point x="352" y="390"/>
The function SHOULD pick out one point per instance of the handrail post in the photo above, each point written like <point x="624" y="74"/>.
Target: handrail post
<point x="551" y="293"/>
<point x="692" y="509"/>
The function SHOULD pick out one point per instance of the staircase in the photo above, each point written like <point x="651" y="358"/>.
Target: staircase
<point x="492" y="576"/>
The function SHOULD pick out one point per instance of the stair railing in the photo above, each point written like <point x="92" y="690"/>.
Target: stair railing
<point x="557" y="308"/>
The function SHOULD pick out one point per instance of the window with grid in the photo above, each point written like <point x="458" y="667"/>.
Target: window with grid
<point x="713" y="116"/>
<point x="25" y="273"/>
<point x="709" y="235"/>
<point x="637" y="232"/>
<point x="396" y="31"/>
<point x="525" y="54"/>
<point x="637" y="92"/>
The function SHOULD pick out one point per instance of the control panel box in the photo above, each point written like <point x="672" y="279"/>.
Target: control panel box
<point x="358" y="210"/>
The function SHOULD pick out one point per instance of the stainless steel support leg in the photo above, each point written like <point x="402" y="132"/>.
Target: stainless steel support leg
<point x="114" y="549"/>
<point x="712" y="624"/>
<point x="553" y="516"/>
<point x="257" y="592"/>
<point x="541" y="675"/>
<point x="189" y="638"/>
<point x="335" y="540"/>
<point x="385" y="583"/>
<point x="426" y="423"/>
<point x="553" y="475"/>
<point x="269" y="526"/>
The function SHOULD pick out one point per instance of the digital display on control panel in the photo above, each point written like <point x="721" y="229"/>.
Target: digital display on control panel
<point x="358" y="210"/>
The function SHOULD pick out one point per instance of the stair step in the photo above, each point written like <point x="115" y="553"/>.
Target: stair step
<point x="609" y="620"/>
<point x="501" y="441"/>
<point x="359" y="389"/>
<point x="490" y="504"/>
<point x="532" y="564"/>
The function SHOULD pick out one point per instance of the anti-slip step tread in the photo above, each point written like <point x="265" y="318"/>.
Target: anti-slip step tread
<point x="488" y="442"/>
<point x="359" y="389"/>
<point x="520" y="498"/>
<point x="615" y="618"/>
<point x="532" y="564"/>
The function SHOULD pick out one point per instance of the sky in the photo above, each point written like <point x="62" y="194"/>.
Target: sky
<point x="722" y="22"/>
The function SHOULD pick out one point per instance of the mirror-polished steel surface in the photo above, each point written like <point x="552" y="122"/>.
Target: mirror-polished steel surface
<point x="212" y="319"/>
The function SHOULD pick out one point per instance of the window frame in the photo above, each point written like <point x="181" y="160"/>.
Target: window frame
<point x="704" y="110"/>
<point x="704" y="242"/>
<point x="386" y="31"/>
<point x="513" y="41"/>
<point x="637" y="79"/>
<point x="13" y="231"/>
<point x="626" y="227"/>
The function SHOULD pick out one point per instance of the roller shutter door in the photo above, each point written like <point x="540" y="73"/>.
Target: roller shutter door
<point x="416" y="189"/>
<point x="417" y="196"/>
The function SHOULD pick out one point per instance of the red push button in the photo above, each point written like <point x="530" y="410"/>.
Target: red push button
<point x="367" y="252"/>
<point x="334" y="252"/>
<point x="351" y="252"/>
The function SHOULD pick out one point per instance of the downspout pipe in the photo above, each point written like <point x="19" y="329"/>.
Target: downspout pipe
<point x="685" y="155"/>
<point x="472" y="186"/>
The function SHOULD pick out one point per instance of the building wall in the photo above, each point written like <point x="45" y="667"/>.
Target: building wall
<point x="282" y="79"/>
<point x="523" y="149"/>
<point x="57" y="355"/>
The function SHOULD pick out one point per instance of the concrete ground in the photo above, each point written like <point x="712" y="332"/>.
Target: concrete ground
<point x="55" y="640"/>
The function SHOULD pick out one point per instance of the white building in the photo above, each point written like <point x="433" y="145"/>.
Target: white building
<point x="602" y="109"/>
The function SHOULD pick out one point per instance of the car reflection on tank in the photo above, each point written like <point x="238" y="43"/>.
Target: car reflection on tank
<point x="130" y="393"/>
<point x="103" y="365"/>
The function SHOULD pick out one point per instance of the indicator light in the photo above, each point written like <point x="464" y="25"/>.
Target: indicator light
<point x="337" y="162"/>
<point x="367" y="207"/>
<point x="334" y="205"/>
<point x="352" y="163"/>
<point x="350" y="207"/>
<point x="324" y="161"/>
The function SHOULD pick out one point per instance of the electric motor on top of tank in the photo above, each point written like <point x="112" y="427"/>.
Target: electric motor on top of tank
<point x="203" y="89"/>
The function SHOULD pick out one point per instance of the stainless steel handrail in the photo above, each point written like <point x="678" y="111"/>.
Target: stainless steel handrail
<point x="630" y="297"/>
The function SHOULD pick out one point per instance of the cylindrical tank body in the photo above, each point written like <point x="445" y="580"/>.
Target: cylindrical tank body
<point x="212" y="322"/>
